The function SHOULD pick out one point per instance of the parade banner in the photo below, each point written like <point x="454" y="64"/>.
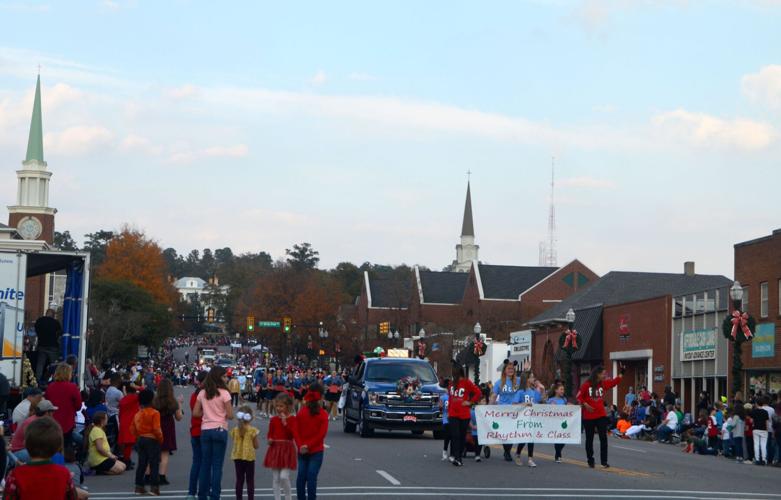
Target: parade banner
<point x="506" y="424"/>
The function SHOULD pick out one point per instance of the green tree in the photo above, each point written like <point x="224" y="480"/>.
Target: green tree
<point x="96" y="243"/>
<point x="64" y="241"/>
<point x="208" y="264"/>
<point x="302" y="257"/>
<point x="173" y="262"/>
<point x="350" y="277"/>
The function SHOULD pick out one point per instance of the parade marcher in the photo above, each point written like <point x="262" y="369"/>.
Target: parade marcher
<point x="591" y="397"/>
<point x="444" y="403"/>
<point x="170" y="409"/>
<point x="234" y="387"/>
<point x="99" y="455"/>
<point x="531" y="393"/>
<point x="463" y="394"/>
<point x="504" y="393"/>
<point x="558" y="398"/>
<point x="195" y="439"/>
<point x="281" y="452"/>
<point x="333" y="390"/>
<point x="245" y="444"/>
<point x="213" y="404"/>
<point x="311" y="428"/>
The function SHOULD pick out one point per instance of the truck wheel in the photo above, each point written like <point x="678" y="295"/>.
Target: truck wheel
<point x="417" y="433"/>
<point x="440" y="435"/>
<point x="364" y="429"/>
<point x="347" y="426"/>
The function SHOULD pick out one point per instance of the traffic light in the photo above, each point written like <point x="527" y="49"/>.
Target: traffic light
<point x="250" y="324"/>
<point x="287" y="324"/>
<point x="384" y="327"/>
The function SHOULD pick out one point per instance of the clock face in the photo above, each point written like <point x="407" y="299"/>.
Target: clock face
<point x="30" y="228"/>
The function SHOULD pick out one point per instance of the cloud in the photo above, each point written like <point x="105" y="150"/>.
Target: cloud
<point x="705" y="130"/>
<point x="764" y="87"/>
<point x="16" y="62"/>
<point x="319" y="78"/>
<point x="184" y="155"/>
<point x="137" y="143"/>
<point x="361" y="77"/>
<point x="184" y="92"/>
<point x="77" y="140"/>
<point x="584" y="182"/>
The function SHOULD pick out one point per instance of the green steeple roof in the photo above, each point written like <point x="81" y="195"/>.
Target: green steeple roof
<point x="35" y="142"/>
<point x="468" y="227"/>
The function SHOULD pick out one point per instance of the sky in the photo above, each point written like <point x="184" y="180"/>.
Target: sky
<point x="352" y="125"/>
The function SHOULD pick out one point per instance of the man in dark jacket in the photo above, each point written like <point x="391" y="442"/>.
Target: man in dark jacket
<point x="49" y="331"/>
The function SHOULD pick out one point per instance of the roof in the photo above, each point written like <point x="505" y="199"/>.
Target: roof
<point x="443" y="287"/>
<point x="182" y="282"/>
<point x="468" y="226"/>
<point x="775" y="233"/>
<point x="35" y="141"/>
<point x="621" y="287"/>
<point x="389" y="291"/>
<point x="508" y="282"/>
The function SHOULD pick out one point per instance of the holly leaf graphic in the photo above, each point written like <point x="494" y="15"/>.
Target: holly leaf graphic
<point x="564" y="424"/>
<point x="495" y="425"/>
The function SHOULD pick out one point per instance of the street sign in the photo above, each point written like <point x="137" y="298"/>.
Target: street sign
<point x="268" y="324"/>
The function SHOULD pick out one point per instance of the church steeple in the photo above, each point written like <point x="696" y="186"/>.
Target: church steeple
<point x="35" y="141"/>
<point x="467" y="251"/>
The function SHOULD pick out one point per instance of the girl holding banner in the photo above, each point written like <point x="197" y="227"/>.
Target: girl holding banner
<point x="504" y="393"/>
<point x="531" y="393"/>
<point x="591" y="397"/>
<point x="557" y="398"/>
<point x="462" y="395"/>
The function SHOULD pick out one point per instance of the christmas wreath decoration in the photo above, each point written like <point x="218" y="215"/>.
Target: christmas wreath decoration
<point x="478" y="347"/>
<point x="570" y="341"/>
<point x="409" y="388"/>
<point x="738" y="327"/>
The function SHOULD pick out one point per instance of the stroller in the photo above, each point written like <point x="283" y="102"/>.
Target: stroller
<point x="470" y="446"/>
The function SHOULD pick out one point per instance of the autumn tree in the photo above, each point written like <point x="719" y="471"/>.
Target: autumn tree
<point x="131" y="256"/>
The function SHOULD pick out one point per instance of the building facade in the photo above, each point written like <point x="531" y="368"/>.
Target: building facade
<point x="758" y="269"/>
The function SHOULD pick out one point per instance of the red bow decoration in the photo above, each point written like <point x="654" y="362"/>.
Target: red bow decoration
<point x="571" y="339"/>
<point x="479" y="349"/>
<point x="742" y="320"/>
<point x="312" y="396"/>
<point x="421" y="349"/>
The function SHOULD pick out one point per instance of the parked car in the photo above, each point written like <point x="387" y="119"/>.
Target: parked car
<point x="375" y="398"/>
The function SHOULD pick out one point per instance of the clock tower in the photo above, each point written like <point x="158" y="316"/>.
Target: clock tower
<point x="31" y="215"/>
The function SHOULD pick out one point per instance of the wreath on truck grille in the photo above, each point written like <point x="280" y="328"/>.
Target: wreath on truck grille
<point x="409" y="388"/>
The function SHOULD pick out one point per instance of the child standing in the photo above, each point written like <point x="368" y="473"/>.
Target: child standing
<point x="310" y="430"/>
<point x="281" y="453"/>
<point x="245" y="442"/>
<point x="738" y="430"/>
<point x="559" y="399"/>
<point x="146" y="429"/>
<point x="473" y="430"/>
<point x="128" y="407"/>
<point x="444" y="402"/>
<point x="40" y="478"/>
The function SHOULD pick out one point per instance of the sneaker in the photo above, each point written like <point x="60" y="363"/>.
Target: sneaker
<point x="451" y="459"/>
<point x="508" y="457"/>
<point x="591" y="464"/>
<point x="154" y="491"/>
<point x="478" y="459"/>
<point x="140" y="490"/>
<point x="558" y="460"/>
<point x="457" y="463"/>
<point x="531" y="463"/>
<point x="444" y="455"/>
<point x="605" y="466"/>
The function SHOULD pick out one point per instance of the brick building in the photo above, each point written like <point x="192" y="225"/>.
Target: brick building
<point x="758" y="269"/>
<point x="624" y="317"/>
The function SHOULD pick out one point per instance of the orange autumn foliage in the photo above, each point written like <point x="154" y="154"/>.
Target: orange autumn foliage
<point x="131" y="256"/>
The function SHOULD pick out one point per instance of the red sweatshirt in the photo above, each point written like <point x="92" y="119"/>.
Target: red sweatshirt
<point x="311" y="430"/>
<point x="463" y="390"/>
<point x="595" y="398"/>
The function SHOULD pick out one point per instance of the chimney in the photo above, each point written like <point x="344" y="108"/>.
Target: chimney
<point x="688" y="268"/>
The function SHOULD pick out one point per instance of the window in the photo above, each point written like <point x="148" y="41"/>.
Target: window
<point x="744" y="304"/>
<point x="763" y="299"/>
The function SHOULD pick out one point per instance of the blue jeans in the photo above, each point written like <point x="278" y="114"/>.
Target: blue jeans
<point x="308" y="469"/>
<point x="663" y="433"/>
<point x="213" y="445"/>
<point x="737" y="447"/>
<point x="195" y="468"/>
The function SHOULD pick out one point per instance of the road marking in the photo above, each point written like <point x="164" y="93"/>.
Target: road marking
<point x="580" y="463"/>
<point x="392" y="480"/>
<point x="628" y="448"/>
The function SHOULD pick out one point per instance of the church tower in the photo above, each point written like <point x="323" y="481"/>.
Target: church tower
<point x="31" y="216"/>
<point x="466" y="252"/>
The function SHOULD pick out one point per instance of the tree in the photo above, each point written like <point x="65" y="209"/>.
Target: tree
<point x="64" y="241"/>
<point x="350" y="277"/>
<point x="208" y="264"/>
<point x="173" y="262"/>
<point x="302" y="257"/>
<point x="96" y="243"/>
<point x="131" y="256"/>
<point x="192" y="264"/>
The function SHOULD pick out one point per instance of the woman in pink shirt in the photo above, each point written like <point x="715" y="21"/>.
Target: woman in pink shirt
<point x="213" y="406"/>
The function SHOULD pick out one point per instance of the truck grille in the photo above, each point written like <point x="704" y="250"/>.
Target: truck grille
<point x="394" y="399"/>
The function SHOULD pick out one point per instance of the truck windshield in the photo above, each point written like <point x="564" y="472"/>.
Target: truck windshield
<point x="393" y="372"/>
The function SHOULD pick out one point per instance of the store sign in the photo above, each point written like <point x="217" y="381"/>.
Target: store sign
<point x="521" y="344"/>
<point x="764" y="343"/>
<point x="697" y="345"/>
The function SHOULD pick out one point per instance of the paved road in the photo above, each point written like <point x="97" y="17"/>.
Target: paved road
<point x="400" y="465"/>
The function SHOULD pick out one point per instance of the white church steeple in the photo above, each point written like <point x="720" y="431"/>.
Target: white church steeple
<point x="466" y="252"/>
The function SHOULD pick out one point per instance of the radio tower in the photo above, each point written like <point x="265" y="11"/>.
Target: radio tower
<point x="548" y="255"/>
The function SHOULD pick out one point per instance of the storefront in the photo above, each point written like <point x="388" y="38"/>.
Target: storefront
<point x="763" y="347"/>
<point x="700" y="353"/>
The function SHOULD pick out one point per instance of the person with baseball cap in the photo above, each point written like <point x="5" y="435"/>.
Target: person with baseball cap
<point x="44" y="408"/>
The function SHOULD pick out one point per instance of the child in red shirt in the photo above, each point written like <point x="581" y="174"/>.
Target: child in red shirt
<point x="41" y="478"/>
<point x="311" y="428"/>
<point x="462" y="395"/>
<point x="591" y="397"/>
<point x="281" y="453"/>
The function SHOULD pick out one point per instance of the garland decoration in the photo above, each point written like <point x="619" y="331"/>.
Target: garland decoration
<point x="738" y="327"/>
<point x="570" y="341"/>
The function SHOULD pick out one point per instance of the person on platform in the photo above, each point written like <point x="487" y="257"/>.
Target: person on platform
<point x="48" y="330"/>
<point x="591" y="397"/>
<point x="281" y="452"/>
<point x="245" y="444"/>
<point x="311" y="428"/>
<point x="504" y="392"/>
<point x="463" y="394"/>
<point x="213" y="405"/>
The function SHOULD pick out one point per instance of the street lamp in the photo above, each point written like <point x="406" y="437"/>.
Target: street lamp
<point x="422" y="333"/>
<point x="478" y="349"/>
<point x="737" y="327"/>
<point x="569" y="342"/>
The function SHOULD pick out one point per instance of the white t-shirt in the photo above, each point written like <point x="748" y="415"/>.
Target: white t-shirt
<point x="21" y="412"/>
<point x="672" y="420"/>
<point x="772" y="413"/>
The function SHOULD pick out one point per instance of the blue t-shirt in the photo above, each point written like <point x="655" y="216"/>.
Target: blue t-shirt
<point x="719" y="419"/>
<point x="505" y="394"/>
<point x="474" y="422"/>
<point x="557" y="401"/>
<point x="528" y="396"/>
<point x="445" y="403"/>
<point x="629" y="398"/>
